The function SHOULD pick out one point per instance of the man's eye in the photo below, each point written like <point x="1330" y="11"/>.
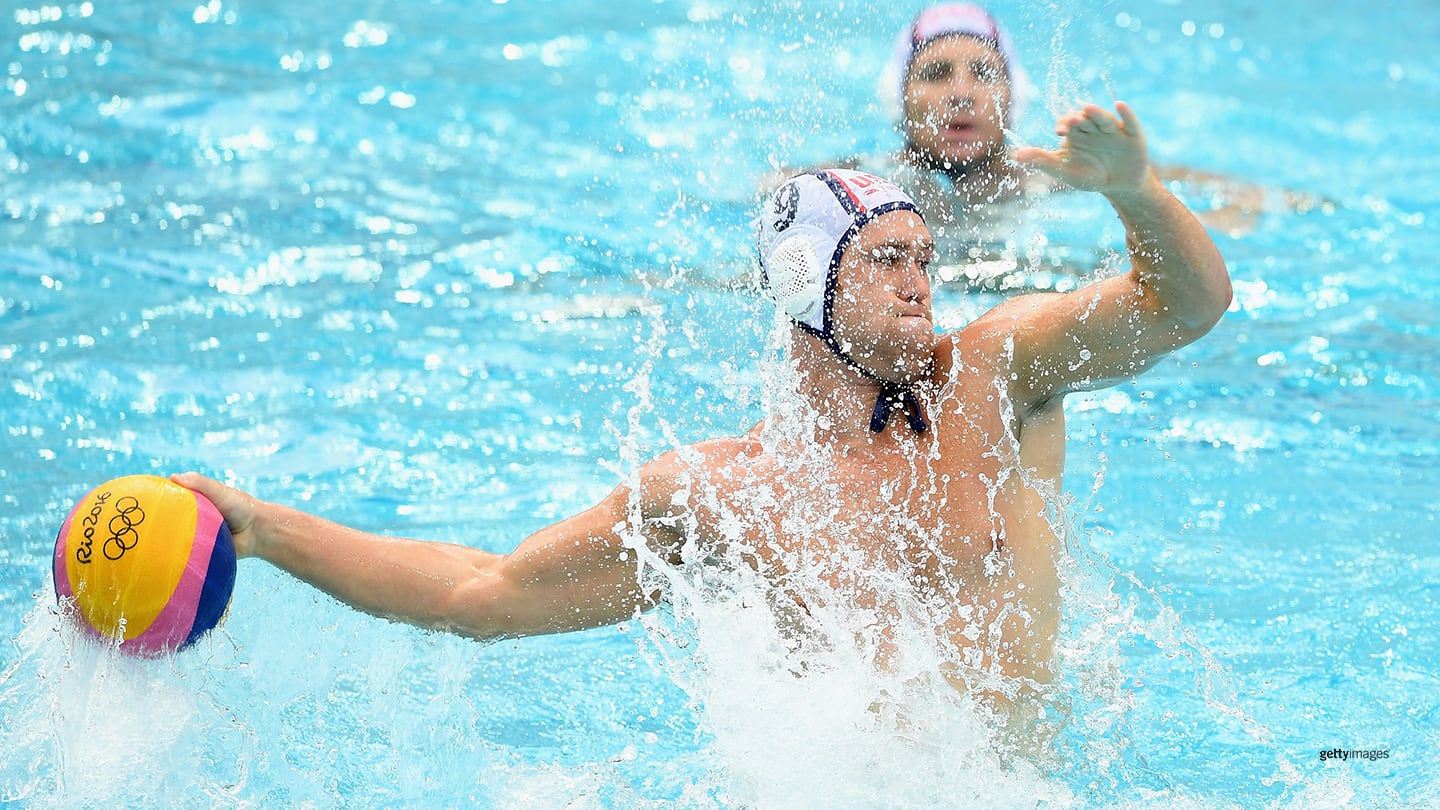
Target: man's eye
<point x="933" y="72"/>
<point x="987" y="71"/>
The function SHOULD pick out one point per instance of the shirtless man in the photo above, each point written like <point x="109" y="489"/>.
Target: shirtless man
<point x="906" y="456"/>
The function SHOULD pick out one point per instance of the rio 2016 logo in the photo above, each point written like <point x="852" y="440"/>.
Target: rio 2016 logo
<point x="121" y="527"/>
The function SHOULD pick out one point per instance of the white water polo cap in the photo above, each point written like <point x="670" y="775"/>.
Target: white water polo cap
<point x="803" y="233"/>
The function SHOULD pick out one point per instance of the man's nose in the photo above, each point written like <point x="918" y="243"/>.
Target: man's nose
<point x="960" y="93"/>
<point x="914" y="284"/>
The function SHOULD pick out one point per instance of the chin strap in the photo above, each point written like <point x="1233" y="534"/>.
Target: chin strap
<point x="893" y="397"/>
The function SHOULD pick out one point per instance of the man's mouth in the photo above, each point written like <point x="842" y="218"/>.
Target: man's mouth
<point x="959" y="129"/>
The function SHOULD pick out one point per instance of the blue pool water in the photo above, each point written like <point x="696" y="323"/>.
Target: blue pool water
<point x="449" y="270"/>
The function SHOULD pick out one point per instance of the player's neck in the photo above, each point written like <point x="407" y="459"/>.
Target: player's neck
<point x="843" y="400"/>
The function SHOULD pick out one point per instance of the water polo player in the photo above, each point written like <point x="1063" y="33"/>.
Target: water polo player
<point x="903" y="472"/>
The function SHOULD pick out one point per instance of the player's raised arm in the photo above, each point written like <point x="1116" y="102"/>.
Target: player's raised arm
<point x="1175" y="292"/>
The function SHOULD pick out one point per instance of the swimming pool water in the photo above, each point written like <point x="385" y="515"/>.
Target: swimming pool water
<point x="449" y="269"/>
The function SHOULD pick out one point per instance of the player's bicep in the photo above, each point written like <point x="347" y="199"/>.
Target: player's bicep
<point x="579" y="573"/>
<point x="1091" y="338"/>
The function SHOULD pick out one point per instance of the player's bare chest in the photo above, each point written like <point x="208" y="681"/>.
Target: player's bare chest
<point x="914" y="513"/>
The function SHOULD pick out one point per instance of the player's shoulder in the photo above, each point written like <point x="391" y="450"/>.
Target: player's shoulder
<point x="709" y="456"/>
<point x="1005" y="320"/>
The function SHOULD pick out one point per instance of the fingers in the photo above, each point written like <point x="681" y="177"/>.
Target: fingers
<point x="1068" y="122"/>
<point x="1042" y="159"/>
<point x="237" y="508"/>
<point x="226" y="499"/>
<point x="1102" y="120"/>
<point x="1128" y="118"/>
<point x="208" y="487"/>
<point x="1093" y="119"/>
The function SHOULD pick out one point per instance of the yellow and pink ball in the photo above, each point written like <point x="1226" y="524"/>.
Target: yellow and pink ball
<point x="147" y="564"/>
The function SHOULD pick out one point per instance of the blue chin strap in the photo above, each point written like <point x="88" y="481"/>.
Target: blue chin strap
<point x="894" y="396"/>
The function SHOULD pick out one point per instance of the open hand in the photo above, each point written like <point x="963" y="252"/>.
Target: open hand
<point x="1099" y="151"/>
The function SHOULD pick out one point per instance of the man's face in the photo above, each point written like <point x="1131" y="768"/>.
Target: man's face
<point x="957" y="98"/>
<point x="881" y="315"/>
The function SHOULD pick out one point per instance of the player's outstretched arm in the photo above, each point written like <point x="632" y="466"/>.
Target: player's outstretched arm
<point x="573" y="575"/>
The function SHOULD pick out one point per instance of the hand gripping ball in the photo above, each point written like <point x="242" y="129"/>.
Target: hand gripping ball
<point x="147" y="563"/>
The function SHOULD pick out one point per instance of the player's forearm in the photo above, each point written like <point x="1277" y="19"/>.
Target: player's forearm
<point x="1174" y="257"/>
<point x="573" y="575"/>
<point x="406" y="580"/>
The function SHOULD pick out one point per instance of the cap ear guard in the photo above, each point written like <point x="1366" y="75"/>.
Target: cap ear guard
<point x="795" y="277"/>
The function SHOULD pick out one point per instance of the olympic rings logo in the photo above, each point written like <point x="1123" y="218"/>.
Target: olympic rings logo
<point x="123" y="536"/>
